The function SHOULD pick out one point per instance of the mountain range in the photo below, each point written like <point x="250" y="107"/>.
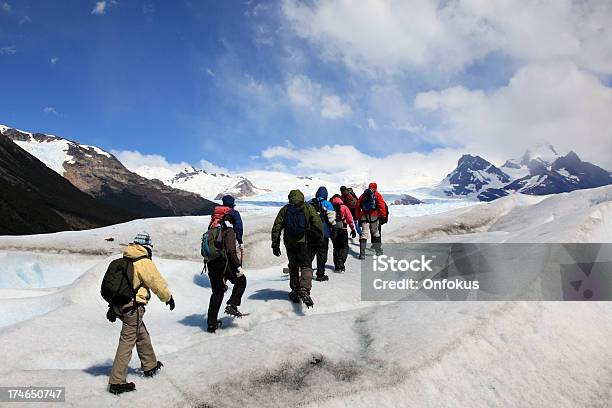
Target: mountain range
<point x="540" y="171"/>
<point x="100" y="175"/>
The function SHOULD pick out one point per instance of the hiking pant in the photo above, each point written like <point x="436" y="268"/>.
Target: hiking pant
<point x="321" y="254"/>
<point x="218" y="291"/>
<point x="133" y="332"/>
<point x="300" y="266"/>
<point x="370" y="229"/>
<point x="341" y="248"/>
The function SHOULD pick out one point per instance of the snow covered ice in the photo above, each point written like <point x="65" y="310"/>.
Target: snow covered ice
<point x="341" y="353"/>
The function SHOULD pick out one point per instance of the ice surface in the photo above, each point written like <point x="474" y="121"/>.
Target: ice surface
<point x="341" y="353"/>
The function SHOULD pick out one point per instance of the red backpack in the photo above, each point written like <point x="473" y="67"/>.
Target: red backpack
<point x="220" y="212"/>
<point x="350" y="198"/>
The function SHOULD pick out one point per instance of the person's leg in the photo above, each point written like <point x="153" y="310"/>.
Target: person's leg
<point x="144" y="348"/>
<point x="376" y="238"/>
<point x="216" y="298"/>
<point x="336" y="250"/>
<point x="305" y="267"/>
<point x="127" y="340"/>
<point x="238" y="290"/>
<point x="343" y="248"/>
<point x="322" y="256"/>
<point x="365" y="236"/>
<point x="294" y="268"/>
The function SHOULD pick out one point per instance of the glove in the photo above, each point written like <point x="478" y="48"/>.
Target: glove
<point x="353" y="233"/>
<point x="276" y="250"/>
<point x="171" y="303"/>
<point x="110" y="315"/>
<point x="240" y="272"/>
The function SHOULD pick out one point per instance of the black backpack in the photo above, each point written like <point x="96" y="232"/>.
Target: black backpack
<point x="368" y="200"/>
<point x="118" y="282"/>
<point x="295" y="221"/>
<point x="322" y="211"/>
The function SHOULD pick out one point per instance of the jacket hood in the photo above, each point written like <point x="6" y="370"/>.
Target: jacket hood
<point x="322" y="193"/>
<point x="337" y="201"/>
<point x="134" y="251"/>
<point x="373" y="187"/>
<point x="296" y="197"/>
<point x="228" y="201"/>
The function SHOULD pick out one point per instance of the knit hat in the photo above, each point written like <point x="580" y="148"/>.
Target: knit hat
<point x="228" y="201"/>
<point x="143" y="239"/>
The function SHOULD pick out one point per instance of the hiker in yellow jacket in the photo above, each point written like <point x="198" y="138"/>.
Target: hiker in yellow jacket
<point x="134" y="332"/>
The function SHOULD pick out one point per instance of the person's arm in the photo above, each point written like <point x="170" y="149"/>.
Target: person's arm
<point x="358" y="212"/>
<point x="315" y="223"/>
<point x="346" y="214"/>
<point x="238" y="226"/>
<point x="229" y="242"/>
<point x="382" y="208"/>
<point x="152" y="279"/>
<point x="278" y="226"/>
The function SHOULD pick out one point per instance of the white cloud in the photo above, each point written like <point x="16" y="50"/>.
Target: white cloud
<point x="332" y="107"/>
<point x="100" y="8"/>
<point x="372" y="124"/>
<point x="148" y="9"/>
<point x="445" y="36"/>
<point x="25" y="19"/>
<point x="408" y="127"/>
<point x="556" y="102"/>
<point x="4" y="6"/>
<point x="157" y="166"/>
<point x="54" y="60"/>
<point x="347" y="164"/>
<point x="50" y="109"/>
<point x="305" y="93"/>
<point x="210" y="72"/>
<point x="8" y="50"/>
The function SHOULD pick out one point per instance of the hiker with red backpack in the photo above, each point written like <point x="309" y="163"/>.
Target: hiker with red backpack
<point x="302" y="232"/>
<point x="372" y="212"/>
<point x="344" y="220"/>
<point x="228" y="207"/>
<point x="127" y="286"/>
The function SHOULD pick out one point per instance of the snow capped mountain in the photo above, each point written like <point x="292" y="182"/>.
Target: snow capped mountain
<point x="471" y="175"/>
<point x="99" y="174"/>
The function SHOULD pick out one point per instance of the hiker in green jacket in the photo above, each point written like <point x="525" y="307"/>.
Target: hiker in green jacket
<point x="302" y="234"/>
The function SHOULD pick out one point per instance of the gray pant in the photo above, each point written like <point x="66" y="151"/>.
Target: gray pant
<point x="133" y="332"/>
<point x="370" y="229"/>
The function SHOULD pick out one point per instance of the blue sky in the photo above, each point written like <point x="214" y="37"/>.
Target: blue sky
<point x="256" y="84"/>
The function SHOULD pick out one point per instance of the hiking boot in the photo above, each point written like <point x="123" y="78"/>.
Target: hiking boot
<point x="154" y="370"/>
<point x="213" y="327"/>
<point x="305" y="297"/>
<point x="362" y="248"/>
<point x="233" y="311"/>
<point x="322" y="278"/>
<point x="294" y="297"/>
<point x="121" y="388"/>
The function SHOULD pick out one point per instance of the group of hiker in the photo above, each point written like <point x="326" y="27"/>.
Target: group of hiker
<point x="306" y="228"/>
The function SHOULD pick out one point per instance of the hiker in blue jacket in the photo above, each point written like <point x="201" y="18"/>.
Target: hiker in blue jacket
<point x="327" y="213"/>
<point x="228" y="201"/>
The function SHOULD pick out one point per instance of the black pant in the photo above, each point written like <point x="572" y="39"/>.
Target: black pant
<point x="300" y="266"/>
<point x="321" y="254"/>
<point x="215" y="274"/>
<point x="341" y="248"/>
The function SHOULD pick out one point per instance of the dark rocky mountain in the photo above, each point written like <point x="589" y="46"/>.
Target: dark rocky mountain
<point x="407" y="199"/>
<point x="540" y="171"/>
<point x="565" y="174"/>
<point x="471" y="175"/>
<point x="102" y="176"/>
<point x="35" y="199"/>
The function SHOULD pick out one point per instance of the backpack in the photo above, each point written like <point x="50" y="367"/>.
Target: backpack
<point x="220" y="212"/>
<point x="212" y="244"/>
<point x="295" y="221"/>
<point x="117" y="287"/>
<point x="368" y="200"/>
<point x="322" y="211"/>
<point x="339" y="220"/>
<point x="350" y="198"/>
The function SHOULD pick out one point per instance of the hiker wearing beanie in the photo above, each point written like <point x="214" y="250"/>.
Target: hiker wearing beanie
<point x="302" y="232"/>
<point x="146" y="278"/>
<point x="225" y="268"/>
<point x="326" y="212"/>
<point x="228" y="207"/>
<point x="344" y="220"/>
<point x="372" y="212"/>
